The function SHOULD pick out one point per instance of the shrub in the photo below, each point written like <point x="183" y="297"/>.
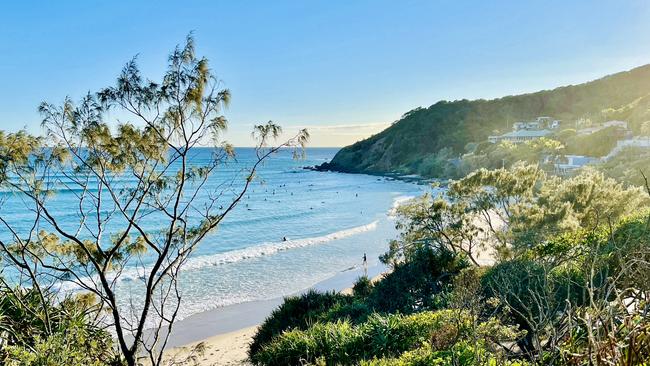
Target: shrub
<point x="342" y="343"/>
<point x="73" y="346"/>
<point x="526" y="292"/>
<point x="355" y="312"/>
<point x="362" y="287"/>
<point x="296" y="312"/>
<point x="335" y="342"/>
<point x="423" y="356"/>
<point x="66" y="336"/>
<point x="414" y="284"/>
<point x="461" y="354"/>
<point x="389" y="336"/>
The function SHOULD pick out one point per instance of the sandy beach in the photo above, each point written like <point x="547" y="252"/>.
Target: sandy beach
<point x="223" y="349"/>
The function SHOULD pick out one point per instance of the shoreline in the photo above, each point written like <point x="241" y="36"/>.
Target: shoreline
<point x="225" y="333"/>
<point x="235" y="317"/>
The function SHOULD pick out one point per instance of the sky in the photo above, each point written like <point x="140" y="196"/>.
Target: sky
<point x="343" y="69"/>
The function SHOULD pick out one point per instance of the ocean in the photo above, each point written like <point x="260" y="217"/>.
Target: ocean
<point x="329" y="221"/>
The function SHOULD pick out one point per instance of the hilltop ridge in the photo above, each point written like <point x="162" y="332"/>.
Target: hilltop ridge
<point x="451" y="125"/>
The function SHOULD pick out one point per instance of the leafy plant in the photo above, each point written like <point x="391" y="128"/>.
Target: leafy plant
<point x="296" y="312"/>
<point x="390" y="336"/>
<point x="68" y="336"/>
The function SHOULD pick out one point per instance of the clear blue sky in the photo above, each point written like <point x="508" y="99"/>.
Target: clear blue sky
<point x="344" y="68"/>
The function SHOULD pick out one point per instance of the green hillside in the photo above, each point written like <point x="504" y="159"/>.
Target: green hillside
<point x="447" y="127"/>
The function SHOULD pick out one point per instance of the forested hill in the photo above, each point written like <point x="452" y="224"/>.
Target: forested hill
<point x="424" y="132"/>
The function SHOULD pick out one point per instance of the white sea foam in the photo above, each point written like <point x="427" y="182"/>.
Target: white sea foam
<point x="398" y="201"/>
<point x="264" y="249"/>
<point x="271" y="248"/>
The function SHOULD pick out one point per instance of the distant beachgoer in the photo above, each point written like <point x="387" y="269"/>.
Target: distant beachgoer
<point x="284" y="238"/>
<point x="365" y="265"/>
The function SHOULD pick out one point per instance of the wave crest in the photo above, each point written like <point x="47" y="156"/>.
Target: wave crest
<point x="271" y="248"/>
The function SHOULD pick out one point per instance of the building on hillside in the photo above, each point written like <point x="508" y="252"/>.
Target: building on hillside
<point x="588" y="130"/>
<point x="567" y="163"/>
<point x="519" y="136"/>
<point x="527" y="130"/>
<point x="540" y="123"/>
<point x="619" y="124"/>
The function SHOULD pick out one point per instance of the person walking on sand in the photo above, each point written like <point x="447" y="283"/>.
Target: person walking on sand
<point x="365" y="265"/>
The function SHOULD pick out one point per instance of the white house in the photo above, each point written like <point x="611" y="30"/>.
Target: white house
<point x="519" y="136"/>
<point x="527" y="130"/>
<point x="619" y="124"/>
<point x="567" y="163"/>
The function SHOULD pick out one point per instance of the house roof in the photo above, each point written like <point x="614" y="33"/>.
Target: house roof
<point x="526" y="133"/>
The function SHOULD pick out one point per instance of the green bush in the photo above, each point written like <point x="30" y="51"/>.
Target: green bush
<point x="355" y="312"/>
<point x="297" y="312"/>
<point x="62" y="335"/>
<point x="362" y="287"/>
<point x="391" y="336"/>
<point x="414" y="284"/>
<point x="73" y="346"/>
<point x="343" y="343"/>
<point x="461" y="354"/>
<point x="337" y="342"/>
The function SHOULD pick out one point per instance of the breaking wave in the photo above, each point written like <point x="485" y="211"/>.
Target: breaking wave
<point x="271" y="248"/>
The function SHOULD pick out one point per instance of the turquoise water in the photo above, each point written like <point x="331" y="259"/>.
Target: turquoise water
<point x="329" y="219"/>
